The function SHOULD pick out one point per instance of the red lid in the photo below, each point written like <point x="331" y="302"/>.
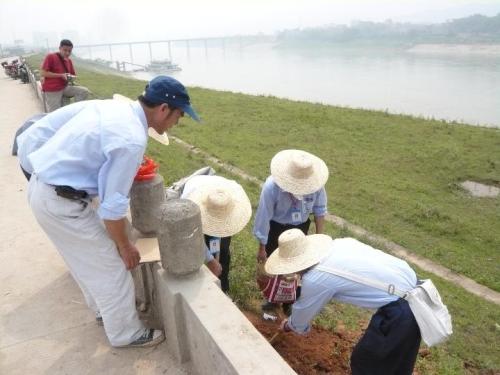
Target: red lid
<point x="147" y="170"/>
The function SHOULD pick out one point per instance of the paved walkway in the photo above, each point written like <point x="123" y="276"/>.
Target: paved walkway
<point x="45" y="327"/>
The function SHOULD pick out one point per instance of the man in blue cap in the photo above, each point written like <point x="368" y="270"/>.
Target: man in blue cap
<point x="93" y="149"/>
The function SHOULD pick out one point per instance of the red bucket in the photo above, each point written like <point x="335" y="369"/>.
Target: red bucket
<point x="147" y="170"/>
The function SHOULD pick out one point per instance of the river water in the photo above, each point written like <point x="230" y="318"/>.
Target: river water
<point x="460" y="87"/>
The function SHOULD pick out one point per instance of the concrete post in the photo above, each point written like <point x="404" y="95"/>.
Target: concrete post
<point x="180" y="237"/>
<point x="146" y="198"/>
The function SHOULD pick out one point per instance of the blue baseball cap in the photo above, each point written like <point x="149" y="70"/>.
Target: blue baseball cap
<point x="164" y="89"/>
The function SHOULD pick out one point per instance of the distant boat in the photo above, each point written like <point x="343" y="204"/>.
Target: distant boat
<point x="160" y="66"/>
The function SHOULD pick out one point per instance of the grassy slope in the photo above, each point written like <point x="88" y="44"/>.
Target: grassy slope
<point x="473" y="342"/>
<point x="389" y="181"/>
<point x="394" y="175"/>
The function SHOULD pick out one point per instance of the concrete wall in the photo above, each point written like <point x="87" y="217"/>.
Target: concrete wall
<point x="206" y="331"/>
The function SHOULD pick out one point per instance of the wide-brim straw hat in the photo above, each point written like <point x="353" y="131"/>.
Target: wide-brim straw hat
<point x="224" y="205"/>
<point x="162" y="138"/>
<point x="299" y="172"/>
<point x="297" y="252"/>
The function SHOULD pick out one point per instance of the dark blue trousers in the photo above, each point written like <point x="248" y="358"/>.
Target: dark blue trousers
<point x="390" y="343"/>
<point x="224" y="260"/>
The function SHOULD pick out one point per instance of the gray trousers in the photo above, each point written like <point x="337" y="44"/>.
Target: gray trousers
<point x="81" y="238"/>
<point x="54" y="99"/>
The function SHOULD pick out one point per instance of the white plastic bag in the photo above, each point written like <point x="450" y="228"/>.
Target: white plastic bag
<point x="175" y="191"/>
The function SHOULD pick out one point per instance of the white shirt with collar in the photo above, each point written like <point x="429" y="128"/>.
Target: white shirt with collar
<point x="96" y="146"/>
<point x="41" y="131"/>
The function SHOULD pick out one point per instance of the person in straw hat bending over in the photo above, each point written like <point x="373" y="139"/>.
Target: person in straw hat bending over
<point x="391" y="341"/>
<point x="293" y="192"/>
<point x="225" y="210"/>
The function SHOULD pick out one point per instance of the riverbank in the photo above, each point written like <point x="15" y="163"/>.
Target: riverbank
<point x="395" y="175"/>
<point x="457" y="49"/>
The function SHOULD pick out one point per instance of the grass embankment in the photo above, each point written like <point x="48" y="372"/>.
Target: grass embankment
<point x="394" y="175"/>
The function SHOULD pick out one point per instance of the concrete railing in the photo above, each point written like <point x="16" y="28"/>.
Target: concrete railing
<point x="37" y="87"/>
<point x="205" y="330"/>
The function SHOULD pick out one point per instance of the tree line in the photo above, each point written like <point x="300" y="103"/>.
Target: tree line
<point x="473" y="29"/>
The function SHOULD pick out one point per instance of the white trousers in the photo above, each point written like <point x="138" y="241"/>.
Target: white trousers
<point x="92" y="258"/>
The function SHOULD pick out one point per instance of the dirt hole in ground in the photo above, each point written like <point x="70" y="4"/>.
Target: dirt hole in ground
<point x="319" y="352"/>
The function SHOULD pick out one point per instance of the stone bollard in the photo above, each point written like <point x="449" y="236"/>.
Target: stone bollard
<point x="146" y="198"/>
<point x="180" y="237"/>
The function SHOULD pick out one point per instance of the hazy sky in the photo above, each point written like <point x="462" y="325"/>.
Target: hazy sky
<point x="106" y="20"/>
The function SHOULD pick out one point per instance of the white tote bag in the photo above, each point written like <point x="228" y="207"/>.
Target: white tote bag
<point x="431" y="314"/>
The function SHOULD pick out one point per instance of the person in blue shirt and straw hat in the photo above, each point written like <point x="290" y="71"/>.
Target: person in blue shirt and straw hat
<point x="344" y="269"/>
<point x="294" y="191"/>
<point x="94" y="149"/>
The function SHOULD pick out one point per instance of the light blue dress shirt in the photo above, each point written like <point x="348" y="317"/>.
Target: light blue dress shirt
<point x="41" y="131"/>
<point x="98" y="147"/>
<point x="348" y="254"/>
<point x="278" y="205"/>
<point x="27" y="124"/>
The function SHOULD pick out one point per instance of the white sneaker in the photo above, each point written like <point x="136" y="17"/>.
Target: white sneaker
<point x="150" y="337"/>
<point x="271" y="317"/>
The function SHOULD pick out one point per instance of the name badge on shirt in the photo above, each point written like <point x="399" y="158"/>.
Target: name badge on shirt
<point x="214" y="245"/>
<point x="308" y="204"/>
<point x="296" y="216"/>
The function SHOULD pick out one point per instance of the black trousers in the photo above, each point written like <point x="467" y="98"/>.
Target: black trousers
<point x="224" y="260"/>
<point x="390" y="343"/>
<point x="275" y="229"/>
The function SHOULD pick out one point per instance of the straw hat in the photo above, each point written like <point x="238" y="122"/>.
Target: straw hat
<point x="296" y="252"/>
<point x="224" y="205"/>
<point x="162" y="138"/>
<point x="121" y="97"/>
<point x="298" y="172"/>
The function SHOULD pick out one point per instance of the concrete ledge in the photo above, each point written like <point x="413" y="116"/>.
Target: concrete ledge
<point x="206" y="331"/>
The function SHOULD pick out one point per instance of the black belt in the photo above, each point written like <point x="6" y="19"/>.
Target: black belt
<point x="70" y="193"/>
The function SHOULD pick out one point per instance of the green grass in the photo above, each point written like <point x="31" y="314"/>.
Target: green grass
<point x="475" y="333"/>
<point x="394" y="175"/>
